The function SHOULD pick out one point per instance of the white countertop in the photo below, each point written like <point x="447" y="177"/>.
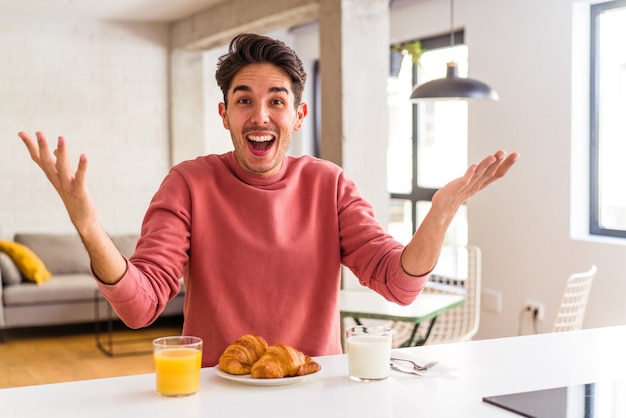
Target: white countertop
<point x="454" y="388"/>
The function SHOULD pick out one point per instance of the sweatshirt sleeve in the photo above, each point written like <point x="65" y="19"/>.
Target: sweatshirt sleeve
<point x="153" y="272"/>
<point x="369" y="252"/>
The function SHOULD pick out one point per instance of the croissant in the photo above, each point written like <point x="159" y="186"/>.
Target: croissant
<point x="282" y="361"/>
<point x="239" y="357"/>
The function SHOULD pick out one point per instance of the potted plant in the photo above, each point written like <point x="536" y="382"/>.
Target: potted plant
<point x="400" y="50"/>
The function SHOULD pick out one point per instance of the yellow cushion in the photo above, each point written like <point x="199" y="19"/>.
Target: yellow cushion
<point x="31" y="266"/>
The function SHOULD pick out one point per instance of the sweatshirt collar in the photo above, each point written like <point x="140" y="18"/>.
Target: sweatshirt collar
<point x="255" y="179"/>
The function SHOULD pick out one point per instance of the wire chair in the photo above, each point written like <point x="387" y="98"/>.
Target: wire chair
<point x="571" y="312"/>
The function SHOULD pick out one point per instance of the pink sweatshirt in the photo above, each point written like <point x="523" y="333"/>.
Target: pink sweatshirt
<point x="258" y="255"/>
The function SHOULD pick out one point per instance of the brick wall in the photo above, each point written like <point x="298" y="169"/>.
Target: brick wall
<point x="102" y="85"/>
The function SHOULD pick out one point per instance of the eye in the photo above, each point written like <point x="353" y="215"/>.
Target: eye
<point x="243" y="100"/>
<point x="278" y="102"/>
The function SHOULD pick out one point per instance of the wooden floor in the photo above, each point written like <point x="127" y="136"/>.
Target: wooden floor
<point x="60" y="354"/>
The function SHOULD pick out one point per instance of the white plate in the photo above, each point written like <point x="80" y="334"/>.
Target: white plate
<point x="246" y="379"/>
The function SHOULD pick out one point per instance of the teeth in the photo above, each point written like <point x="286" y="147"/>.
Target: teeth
<point x="260" y="138"/>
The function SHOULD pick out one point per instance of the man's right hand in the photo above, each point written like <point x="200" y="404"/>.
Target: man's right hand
<point x="69" y="185"/>
<point x="107" y="262"/>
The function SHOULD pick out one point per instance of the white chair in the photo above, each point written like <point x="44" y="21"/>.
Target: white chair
<point x="458" y="324"/>
<point x="571" y="312"/>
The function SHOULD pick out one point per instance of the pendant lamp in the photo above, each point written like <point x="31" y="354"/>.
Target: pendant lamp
<point x="453" y="86"/>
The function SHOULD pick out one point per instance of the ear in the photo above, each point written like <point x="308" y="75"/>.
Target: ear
<point x="301" y="113"/>
<point x="221" y="108"/>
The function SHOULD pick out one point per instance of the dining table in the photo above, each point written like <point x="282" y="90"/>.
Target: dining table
<point x="467" y="378"/>
<point x="365" y="303"/>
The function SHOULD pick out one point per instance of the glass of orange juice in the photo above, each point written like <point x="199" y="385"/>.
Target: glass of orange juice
<point x="177" y="361"/>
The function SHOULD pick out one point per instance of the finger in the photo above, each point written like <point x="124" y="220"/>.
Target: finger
<point x="503" y="168"/>
<point x="62" y="164"/>
<point x="31" y="145"/>
<point x="81" y="171"/>
<point x="45" y="156"/>
<point x="485" y="171"/>
<point x="482" y="171"/>
<point x="507" y="164"/>
<point x="493" y="163"/>
<point x="500" y="154"/>
<point x="47" y="160"/>
<point x="486" y="163"/>
<point x="26" y="138"/>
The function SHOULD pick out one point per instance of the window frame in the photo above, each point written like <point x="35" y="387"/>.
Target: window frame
<point x="417" y="193"/>
<point x="595" y="227"/>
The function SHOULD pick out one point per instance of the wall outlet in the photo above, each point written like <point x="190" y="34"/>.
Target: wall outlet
<point x="535" y="309"/>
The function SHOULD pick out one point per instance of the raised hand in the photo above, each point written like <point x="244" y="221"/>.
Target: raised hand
<point x="106" y="261"/>
<point x="477" y="177"/>
<point x="70" y="185"/>
<point x="421" y="254"/>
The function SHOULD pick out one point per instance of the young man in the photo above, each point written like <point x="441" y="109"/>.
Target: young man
<point x="258" y="236"/>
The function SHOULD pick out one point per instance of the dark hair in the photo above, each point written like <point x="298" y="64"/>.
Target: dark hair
<point x="247" y="48"/>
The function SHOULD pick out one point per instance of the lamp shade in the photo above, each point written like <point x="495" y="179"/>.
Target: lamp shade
<point x="453" y="87"/>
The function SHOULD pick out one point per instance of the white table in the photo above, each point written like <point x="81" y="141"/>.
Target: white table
<point x="365" y="303"/>
<point x="454" y="388"/>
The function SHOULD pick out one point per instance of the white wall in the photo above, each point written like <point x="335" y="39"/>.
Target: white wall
<point x="102" y="85"/>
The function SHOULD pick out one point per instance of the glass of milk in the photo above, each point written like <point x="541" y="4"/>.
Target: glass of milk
<point x="369" y="352"/>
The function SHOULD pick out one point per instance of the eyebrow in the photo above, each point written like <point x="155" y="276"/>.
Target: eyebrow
<point x="270" y="90"/>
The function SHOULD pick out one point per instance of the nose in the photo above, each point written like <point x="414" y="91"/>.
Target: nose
<point x="260" y="114"/>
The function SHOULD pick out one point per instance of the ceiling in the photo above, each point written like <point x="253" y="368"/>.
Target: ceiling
<point x="142" y="10"/>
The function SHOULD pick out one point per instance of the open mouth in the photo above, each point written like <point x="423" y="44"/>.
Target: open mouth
<point x="260" y="144"/>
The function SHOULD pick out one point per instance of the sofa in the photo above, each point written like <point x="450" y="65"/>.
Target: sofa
<point x="46" y="280"/>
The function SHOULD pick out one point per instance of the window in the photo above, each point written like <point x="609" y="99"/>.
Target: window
<point x="427" y="145"/>
<point x="608" y="119"/>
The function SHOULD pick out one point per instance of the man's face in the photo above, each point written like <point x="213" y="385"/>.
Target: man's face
<point x="261" y="117"/>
